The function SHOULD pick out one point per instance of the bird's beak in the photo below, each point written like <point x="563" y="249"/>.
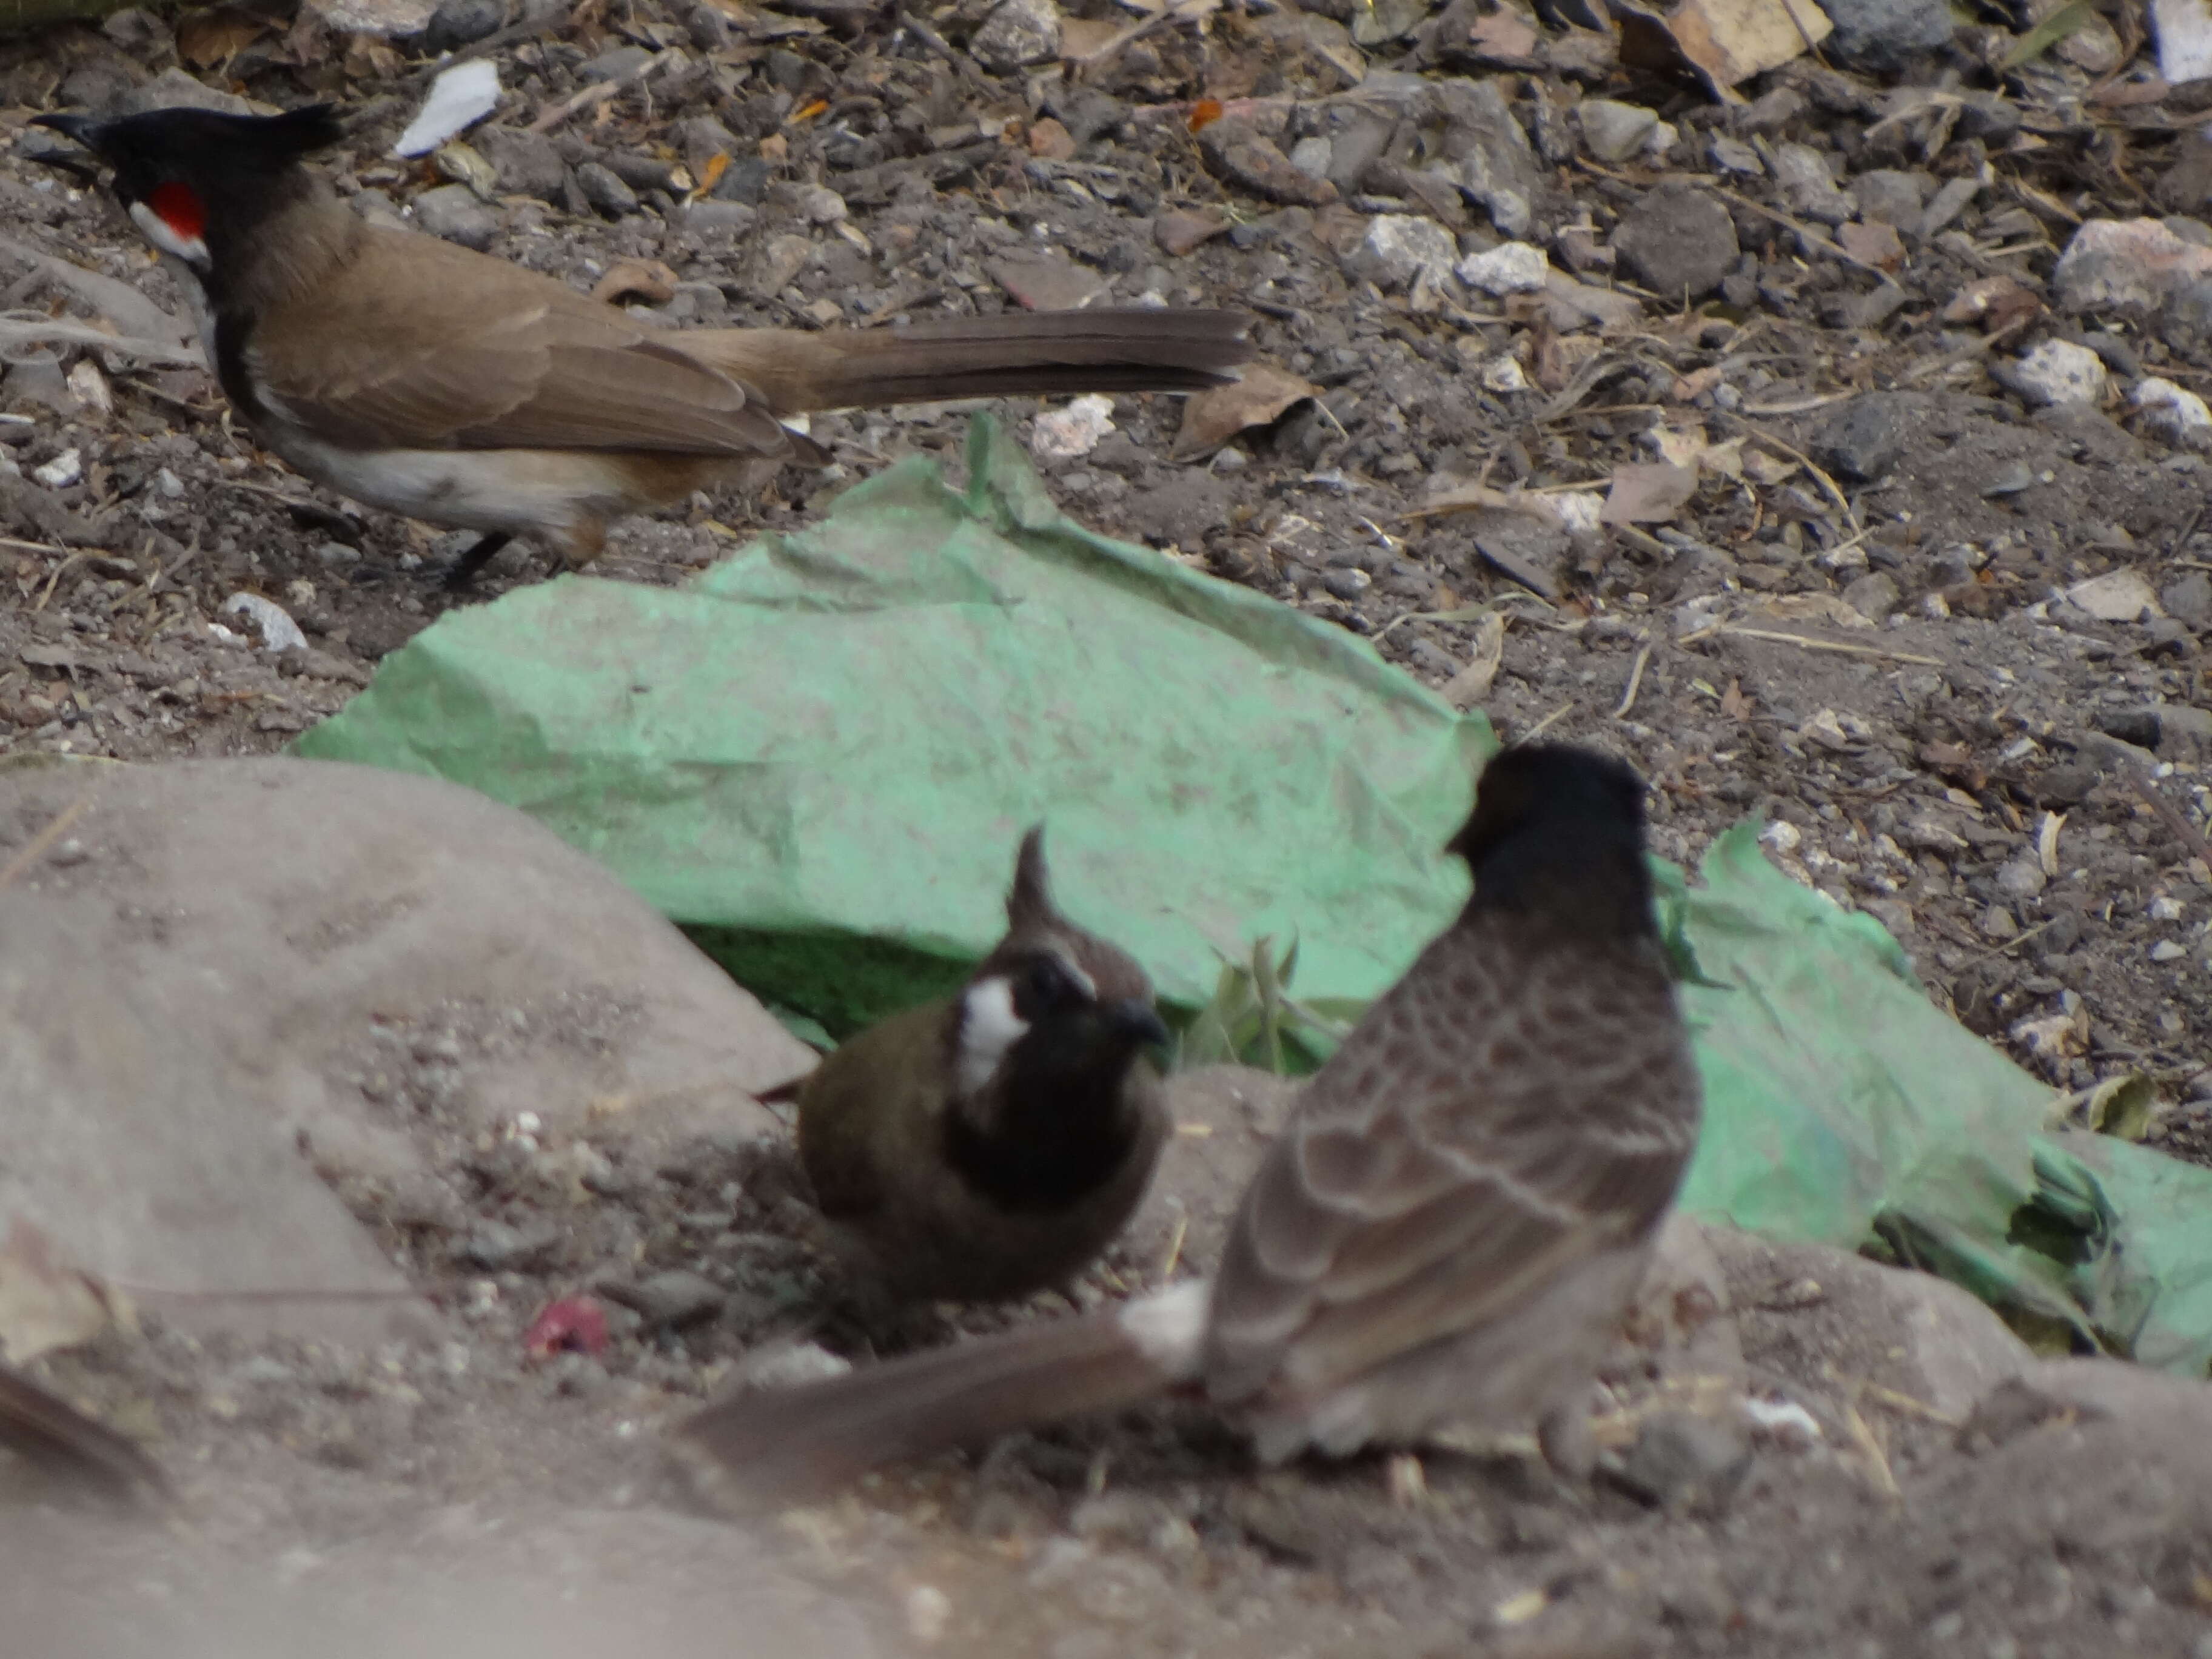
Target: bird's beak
<point x="86" y="131"/>
<point x="83" y="128"/>
<point x="1135" y="1020"/>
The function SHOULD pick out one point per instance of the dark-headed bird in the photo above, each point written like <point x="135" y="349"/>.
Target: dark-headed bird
<point x="1449" y="1229"/>
<point x="424" y="378"/>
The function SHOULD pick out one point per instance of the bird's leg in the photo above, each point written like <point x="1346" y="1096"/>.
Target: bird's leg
<point x="463" y="572"/>
<point x="1567" y="1440"/>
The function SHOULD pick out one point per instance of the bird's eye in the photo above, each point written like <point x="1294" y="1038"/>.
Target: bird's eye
<point x="1048" y="985"/>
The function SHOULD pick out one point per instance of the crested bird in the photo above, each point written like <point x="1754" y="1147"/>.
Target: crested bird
<point x="1449" y="1228"/>
<point x="993" y="1143"/>
<point x="428" y="379"/>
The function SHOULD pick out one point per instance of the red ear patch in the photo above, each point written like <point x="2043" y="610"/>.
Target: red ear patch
<point x="179" y="209"/>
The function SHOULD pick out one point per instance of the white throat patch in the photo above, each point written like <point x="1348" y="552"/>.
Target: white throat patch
<point x="989" y="1027"/>
<point x="163" y="235"/>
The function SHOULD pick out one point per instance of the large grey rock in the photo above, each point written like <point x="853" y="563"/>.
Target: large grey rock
<point x="175" y="89"/>
<point x="1488" y="151"/>
<point x="2092" y="1390"/>
<point x="1399" y="247"/>
<point x="1823" y="1316"/>
<point x="480" y="1580"/>
<point x="1678" y="241"/>
<point x="1225" y="1116"/>
<point x="1682" y="1323"/>
<point x="1886" y="35"/>
<point x="453" y="211"/>
<point x="228" y="968"/>
<point x="527" y="162"/>
<point x="1018" y="33"/>
<point x="1861" y="441"/>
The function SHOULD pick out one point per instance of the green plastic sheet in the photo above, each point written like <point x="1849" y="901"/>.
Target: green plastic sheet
<point x="818" y="757"/>
<point x="1842" y="1107"/>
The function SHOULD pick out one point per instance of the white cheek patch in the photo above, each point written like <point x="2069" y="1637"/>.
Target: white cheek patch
<point x="989" y="1027"/>
<point x="163" y="235"/>
<point x="1169" y="1326"/>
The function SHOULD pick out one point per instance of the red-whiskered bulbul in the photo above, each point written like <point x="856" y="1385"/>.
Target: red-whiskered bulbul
<point x="425" y="379"/>
<point x="993" y="1143"/>
<point x="1449" y="1229"/>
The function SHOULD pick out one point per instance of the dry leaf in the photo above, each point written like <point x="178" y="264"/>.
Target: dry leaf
<point x="1649" y="493"/>
<point x="1727" y="41"/>
<point x="1482" y="498"/>
<point x="1994" y="302"/>
<point x="1471" y="683"/>
<point x="1506" y="38"/>
<point x="1764" y="469"/>
<point x="1084" y="37"/>
<point x="45" y="1302"/>
<point x="368" y="58"/>
<point x="1676" y="447"/>
<point x="1688" y="387"/>
<point x="1828" y="608"/>
<point x="1871" y="241"/>
<point x="205" y="38"/>
<point x="711" y="174"/>
<point x="636" y="279"/>
<point x="1204" y="112"/>
<point x="1212" y="418"/>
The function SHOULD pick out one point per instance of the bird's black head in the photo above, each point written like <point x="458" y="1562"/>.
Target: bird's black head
<point x="195" y="180"/>
<point x="1046" y="1036"/>
<point x="1558" y="832"/>
<point x="1052" y="996"/>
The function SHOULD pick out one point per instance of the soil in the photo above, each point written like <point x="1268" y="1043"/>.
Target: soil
<point x="2009" y="783"/>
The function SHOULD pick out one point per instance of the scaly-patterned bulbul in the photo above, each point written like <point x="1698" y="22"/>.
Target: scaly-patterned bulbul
<point x="1449" y="1229"/>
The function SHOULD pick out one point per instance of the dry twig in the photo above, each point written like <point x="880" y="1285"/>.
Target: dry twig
<point x="35" y="849"/>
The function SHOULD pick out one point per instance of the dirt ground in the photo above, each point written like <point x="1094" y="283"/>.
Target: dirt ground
<point x="1862" y="638"/>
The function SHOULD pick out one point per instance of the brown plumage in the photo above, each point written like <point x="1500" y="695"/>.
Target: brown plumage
<point x="1449" y="1229"/>
<point x="41" y="1426"/>
<point x="428" y="379"/>
<point x="993" y="1143"/>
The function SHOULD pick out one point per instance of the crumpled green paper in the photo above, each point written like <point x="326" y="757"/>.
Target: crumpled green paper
<point x="1843" y="1107"/>
<point x="820" y="754"/>
<point x="819" y="757"/>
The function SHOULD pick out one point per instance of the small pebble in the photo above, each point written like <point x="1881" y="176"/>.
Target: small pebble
<point x="928" y="1612"/>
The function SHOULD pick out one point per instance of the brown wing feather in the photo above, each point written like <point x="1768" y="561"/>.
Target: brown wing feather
<point x="844" y="1109"/>
<point x="1498" y="1116"/>
<point x="416" y="367"/>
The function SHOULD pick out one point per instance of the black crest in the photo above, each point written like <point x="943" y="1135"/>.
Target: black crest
<point x="185" y="142"/>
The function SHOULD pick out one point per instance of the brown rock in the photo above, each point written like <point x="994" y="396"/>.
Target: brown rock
<point x="1874" y="241"/>
<point x="1179" y="231"/>
<point x="1237" y="155"/>
<point x="1806" y="1312"/>
<point x="1048" y="284"/>
<point x="1051" y="141"/>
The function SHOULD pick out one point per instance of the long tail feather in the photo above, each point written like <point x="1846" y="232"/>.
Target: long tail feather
<point x="1015" y="354"/>
<point x="47" y="1430"/>
<point x="784" y="1444"/>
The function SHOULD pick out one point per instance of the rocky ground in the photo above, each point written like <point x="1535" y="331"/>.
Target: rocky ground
<point x="1904" y="552"/>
